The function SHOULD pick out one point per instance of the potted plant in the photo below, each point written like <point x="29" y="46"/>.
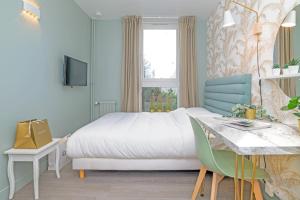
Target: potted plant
<point x="250" y="112"/>
<point x="159" y="104"/>
<point x="294" y="105"/>
<point x="152" y="104"/>
<point x="286" y="69"/>
<point x="294" y="65"/>
<point x="276" y="70"/>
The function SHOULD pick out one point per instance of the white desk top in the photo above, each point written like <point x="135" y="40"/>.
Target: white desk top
<point x="277" y="140"/>
<point x="32" y="151"/>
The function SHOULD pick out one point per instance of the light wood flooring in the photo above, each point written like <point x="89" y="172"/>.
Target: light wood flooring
<point x="99" y="185"/>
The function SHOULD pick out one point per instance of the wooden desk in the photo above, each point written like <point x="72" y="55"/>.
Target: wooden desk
<point x="277" y="140"/>
<point x="31" y="155"/>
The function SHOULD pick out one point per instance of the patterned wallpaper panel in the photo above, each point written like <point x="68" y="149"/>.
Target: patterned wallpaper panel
<point x="232" y="51"/>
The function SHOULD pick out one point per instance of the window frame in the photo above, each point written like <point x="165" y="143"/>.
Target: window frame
<point x="160" y="24"/>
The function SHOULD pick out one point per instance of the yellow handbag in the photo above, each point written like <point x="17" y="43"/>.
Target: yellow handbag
<point x="32" y="134"/>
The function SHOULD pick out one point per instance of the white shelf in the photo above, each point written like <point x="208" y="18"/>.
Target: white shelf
<point x="281" y="77"/>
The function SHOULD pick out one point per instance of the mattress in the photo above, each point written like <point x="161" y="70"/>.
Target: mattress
<point x="137" y="136"/>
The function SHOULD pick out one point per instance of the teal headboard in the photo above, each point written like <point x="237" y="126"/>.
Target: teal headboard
<point x="221" y="94"/>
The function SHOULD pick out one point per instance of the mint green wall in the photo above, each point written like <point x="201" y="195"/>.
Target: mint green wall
<point x="31" y="58"/>
<point x="108" y="53"/>
<point x="107" y="71"/>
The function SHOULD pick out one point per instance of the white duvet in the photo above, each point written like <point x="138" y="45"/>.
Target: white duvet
<point x="137" y="136"/>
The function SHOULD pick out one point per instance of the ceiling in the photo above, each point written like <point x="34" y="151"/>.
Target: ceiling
<point x="114" y="9"/>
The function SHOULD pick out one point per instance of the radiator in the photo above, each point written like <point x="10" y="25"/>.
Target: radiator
<point x="104" y="107"/>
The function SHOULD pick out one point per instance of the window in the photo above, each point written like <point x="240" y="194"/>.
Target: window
<point x="160" y="74"/>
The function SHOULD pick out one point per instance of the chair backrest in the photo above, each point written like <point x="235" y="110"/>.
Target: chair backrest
<point x="203" y="148"/>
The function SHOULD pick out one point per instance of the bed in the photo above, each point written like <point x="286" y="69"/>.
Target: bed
<point x="153" y="141"/>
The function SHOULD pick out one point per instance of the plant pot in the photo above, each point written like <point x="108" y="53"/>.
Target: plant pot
<point x="286" y="71"/>
<point x="294" y="69"/>
<point x="250" y="114"/>
<point x="276" y="71"/>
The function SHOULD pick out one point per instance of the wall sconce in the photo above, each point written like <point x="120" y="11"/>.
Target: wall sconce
<point x="31" y="9"/>
<point x="229" y="21"/>
<point x="290" y="20"/>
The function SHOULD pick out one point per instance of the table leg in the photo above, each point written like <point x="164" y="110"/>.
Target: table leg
<point x="236" y="177"/>
<point x="57" y="162"/>
<point x="243" y="178"/>
<point x="254" y="160"/>
<point x="11" y="177"/>
<point x="36" y="170"/>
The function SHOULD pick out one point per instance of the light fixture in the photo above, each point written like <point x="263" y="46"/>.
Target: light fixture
<point x="98" y="13"/>
<point x="257" y="30"/>
<point x="228" y="19"/>
<point x="31" y="9"/>
<point x="290" y="20"/>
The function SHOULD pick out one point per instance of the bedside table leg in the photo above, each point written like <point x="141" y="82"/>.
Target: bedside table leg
<point x="11" y="178"/>
<point x="57" y="162"/>
<point x="36" y="170"/>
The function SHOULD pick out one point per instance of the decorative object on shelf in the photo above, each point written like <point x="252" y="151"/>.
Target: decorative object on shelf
<point x="276" y="70"/>
<point x="286" y="70"/>
<point x="294" y="105"/>
<point x="32" y="134"/>
<point x="294" y="66"/>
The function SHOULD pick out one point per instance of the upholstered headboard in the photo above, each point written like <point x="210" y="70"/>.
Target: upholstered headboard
<point x="221" y="94"/>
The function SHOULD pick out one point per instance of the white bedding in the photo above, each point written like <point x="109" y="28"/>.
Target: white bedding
<point x="137" y="136"/>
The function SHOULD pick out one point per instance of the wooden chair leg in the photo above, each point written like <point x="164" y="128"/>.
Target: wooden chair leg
<point x="257" y="191"/>
<point x="82" y="174"/>
<point x="214" y="186"/>
<point x="199" y="182"/>
<point x="239" y="190"/>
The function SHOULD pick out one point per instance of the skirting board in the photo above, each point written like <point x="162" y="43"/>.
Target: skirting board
<point x="135" y="164"/>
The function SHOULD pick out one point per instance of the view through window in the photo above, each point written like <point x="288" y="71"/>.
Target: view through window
<point x="160" y="76"/>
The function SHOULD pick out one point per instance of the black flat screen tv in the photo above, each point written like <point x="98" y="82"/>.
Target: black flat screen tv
<point x="75" y="72"/>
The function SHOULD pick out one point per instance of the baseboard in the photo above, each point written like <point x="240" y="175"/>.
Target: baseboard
<point x="23" y="180"/>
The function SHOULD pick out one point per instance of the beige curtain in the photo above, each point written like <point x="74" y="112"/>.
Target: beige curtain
<point x="188" y="62"/>
<point x="286" y="53"/>
<point x="132" y="27"/>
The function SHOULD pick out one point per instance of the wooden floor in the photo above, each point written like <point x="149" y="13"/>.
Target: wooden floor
<point x="122" y="186"/>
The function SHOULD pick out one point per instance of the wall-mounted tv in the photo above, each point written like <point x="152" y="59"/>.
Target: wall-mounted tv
<point x="75" y="72"/>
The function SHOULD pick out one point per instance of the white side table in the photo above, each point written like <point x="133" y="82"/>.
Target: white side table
<point x="31" y="155"/>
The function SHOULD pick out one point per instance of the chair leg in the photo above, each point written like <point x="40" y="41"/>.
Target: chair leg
<point x="82" y="174"/>
<point x="214" y="186"/>
<point x="257" y="191"/>
<point x="199" y="182"/>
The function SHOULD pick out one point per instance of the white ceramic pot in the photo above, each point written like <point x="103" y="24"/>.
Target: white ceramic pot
<point x="294" y="69"/>
<point x="276" y="71"/>
<point x="286" y="71"/>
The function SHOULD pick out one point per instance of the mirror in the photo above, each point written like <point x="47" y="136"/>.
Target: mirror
<point x="287" y="53"/>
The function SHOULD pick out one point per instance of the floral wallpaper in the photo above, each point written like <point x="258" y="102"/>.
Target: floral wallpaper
<point x="232" y="51"/>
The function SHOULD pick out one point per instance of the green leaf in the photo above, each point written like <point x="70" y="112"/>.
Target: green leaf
<point x="297" y="114"/>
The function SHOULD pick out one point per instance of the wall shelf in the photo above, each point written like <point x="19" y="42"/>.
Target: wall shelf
<point x="280" y="77"/>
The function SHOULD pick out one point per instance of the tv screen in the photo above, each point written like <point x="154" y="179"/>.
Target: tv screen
<point x="75" y="72"/>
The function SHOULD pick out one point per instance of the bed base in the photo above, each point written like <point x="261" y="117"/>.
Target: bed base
<point x="83" y="164"/>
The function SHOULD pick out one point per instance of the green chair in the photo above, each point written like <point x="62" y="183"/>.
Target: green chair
<point x="221" y="163"/>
